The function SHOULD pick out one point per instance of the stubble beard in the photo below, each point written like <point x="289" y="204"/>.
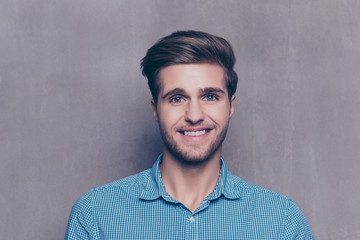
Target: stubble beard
<point x="190" y="155"/>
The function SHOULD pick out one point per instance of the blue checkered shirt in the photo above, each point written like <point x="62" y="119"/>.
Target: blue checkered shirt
<point x="138" y="207"/>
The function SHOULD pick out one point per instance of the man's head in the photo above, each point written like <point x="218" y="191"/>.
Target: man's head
<point x="191" y="78"/>
<point x="189" y="47"/>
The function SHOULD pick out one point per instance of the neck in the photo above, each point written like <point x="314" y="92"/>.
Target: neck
<point x="190" y="183"/>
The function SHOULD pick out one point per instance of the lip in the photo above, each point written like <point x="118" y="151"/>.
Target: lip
<point x="194" y="133"/>
<point x="194" y="128"/>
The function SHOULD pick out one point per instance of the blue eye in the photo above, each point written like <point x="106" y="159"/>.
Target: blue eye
<point x="210" y="97"/>
<point x="176" y="99"/>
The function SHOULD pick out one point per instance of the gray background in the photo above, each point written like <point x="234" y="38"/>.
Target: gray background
<point x="75" y="110"/>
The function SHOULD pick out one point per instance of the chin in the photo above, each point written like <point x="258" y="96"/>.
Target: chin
<point x="192" y="157"/>
<point x="192" y="154"/>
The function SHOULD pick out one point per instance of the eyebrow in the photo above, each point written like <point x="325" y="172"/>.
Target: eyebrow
<point x="174" y="92"/>
<point x="212" y="90"/>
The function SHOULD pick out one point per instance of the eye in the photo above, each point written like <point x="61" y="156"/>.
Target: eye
<point x="211" y="97"/>
<point x="176" y="99"/>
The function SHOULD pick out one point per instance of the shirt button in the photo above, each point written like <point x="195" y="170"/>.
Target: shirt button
<point x="192" y="219"/>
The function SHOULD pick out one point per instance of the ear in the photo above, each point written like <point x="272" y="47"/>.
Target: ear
<point x="232" y="103"/>
<point x="153" y="105"/>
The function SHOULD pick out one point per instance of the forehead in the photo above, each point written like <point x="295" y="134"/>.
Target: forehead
<point x="191" y="77"/>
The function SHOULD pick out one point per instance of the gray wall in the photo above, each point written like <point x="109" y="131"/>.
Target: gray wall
<point x="75" y="111"/>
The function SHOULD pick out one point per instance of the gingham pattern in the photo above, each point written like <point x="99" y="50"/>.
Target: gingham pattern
<point x="138" y="207"/>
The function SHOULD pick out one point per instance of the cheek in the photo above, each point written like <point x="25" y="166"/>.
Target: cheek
<point x="170" y="116"/>
<point x="219" y="113"/>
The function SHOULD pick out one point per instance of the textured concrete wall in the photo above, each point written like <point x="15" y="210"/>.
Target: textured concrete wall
<point x="75" y="111"/>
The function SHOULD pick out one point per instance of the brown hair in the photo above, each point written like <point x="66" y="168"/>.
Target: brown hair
<point x="187" y="47"/>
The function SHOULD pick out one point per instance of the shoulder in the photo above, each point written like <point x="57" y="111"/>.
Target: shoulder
<point x="258" y="195"/>
<point x="101" y="201"/>
<point x="271" y="209"/>
<point x="128" y="187"/>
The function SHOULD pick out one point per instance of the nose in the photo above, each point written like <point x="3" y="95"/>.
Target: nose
<point x="194" y="112"/>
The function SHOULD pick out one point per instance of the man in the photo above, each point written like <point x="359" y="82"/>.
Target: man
<point x="189" y="193"/>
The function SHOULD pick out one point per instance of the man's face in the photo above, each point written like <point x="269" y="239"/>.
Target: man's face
<point x="193" y="110"/>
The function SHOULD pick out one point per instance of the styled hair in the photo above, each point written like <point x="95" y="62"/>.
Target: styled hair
<point x="188" y="47"/>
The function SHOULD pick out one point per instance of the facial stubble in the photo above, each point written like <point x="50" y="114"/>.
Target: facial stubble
<point x="192" y="156"/>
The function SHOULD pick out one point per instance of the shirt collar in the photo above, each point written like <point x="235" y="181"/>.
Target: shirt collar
<point x="154" y="188"/>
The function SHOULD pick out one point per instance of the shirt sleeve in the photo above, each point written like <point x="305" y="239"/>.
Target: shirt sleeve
<point x="296" y="225"/>
<point x="81" y="221"/>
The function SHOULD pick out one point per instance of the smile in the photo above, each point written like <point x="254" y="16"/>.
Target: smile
<point x="194" y="133"/>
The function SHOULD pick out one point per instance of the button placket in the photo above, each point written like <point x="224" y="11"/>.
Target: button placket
<point x="192" y="228"/>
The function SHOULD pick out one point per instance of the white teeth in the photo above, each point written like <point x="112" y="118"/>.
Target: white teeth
<point x="194" y="133"/>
